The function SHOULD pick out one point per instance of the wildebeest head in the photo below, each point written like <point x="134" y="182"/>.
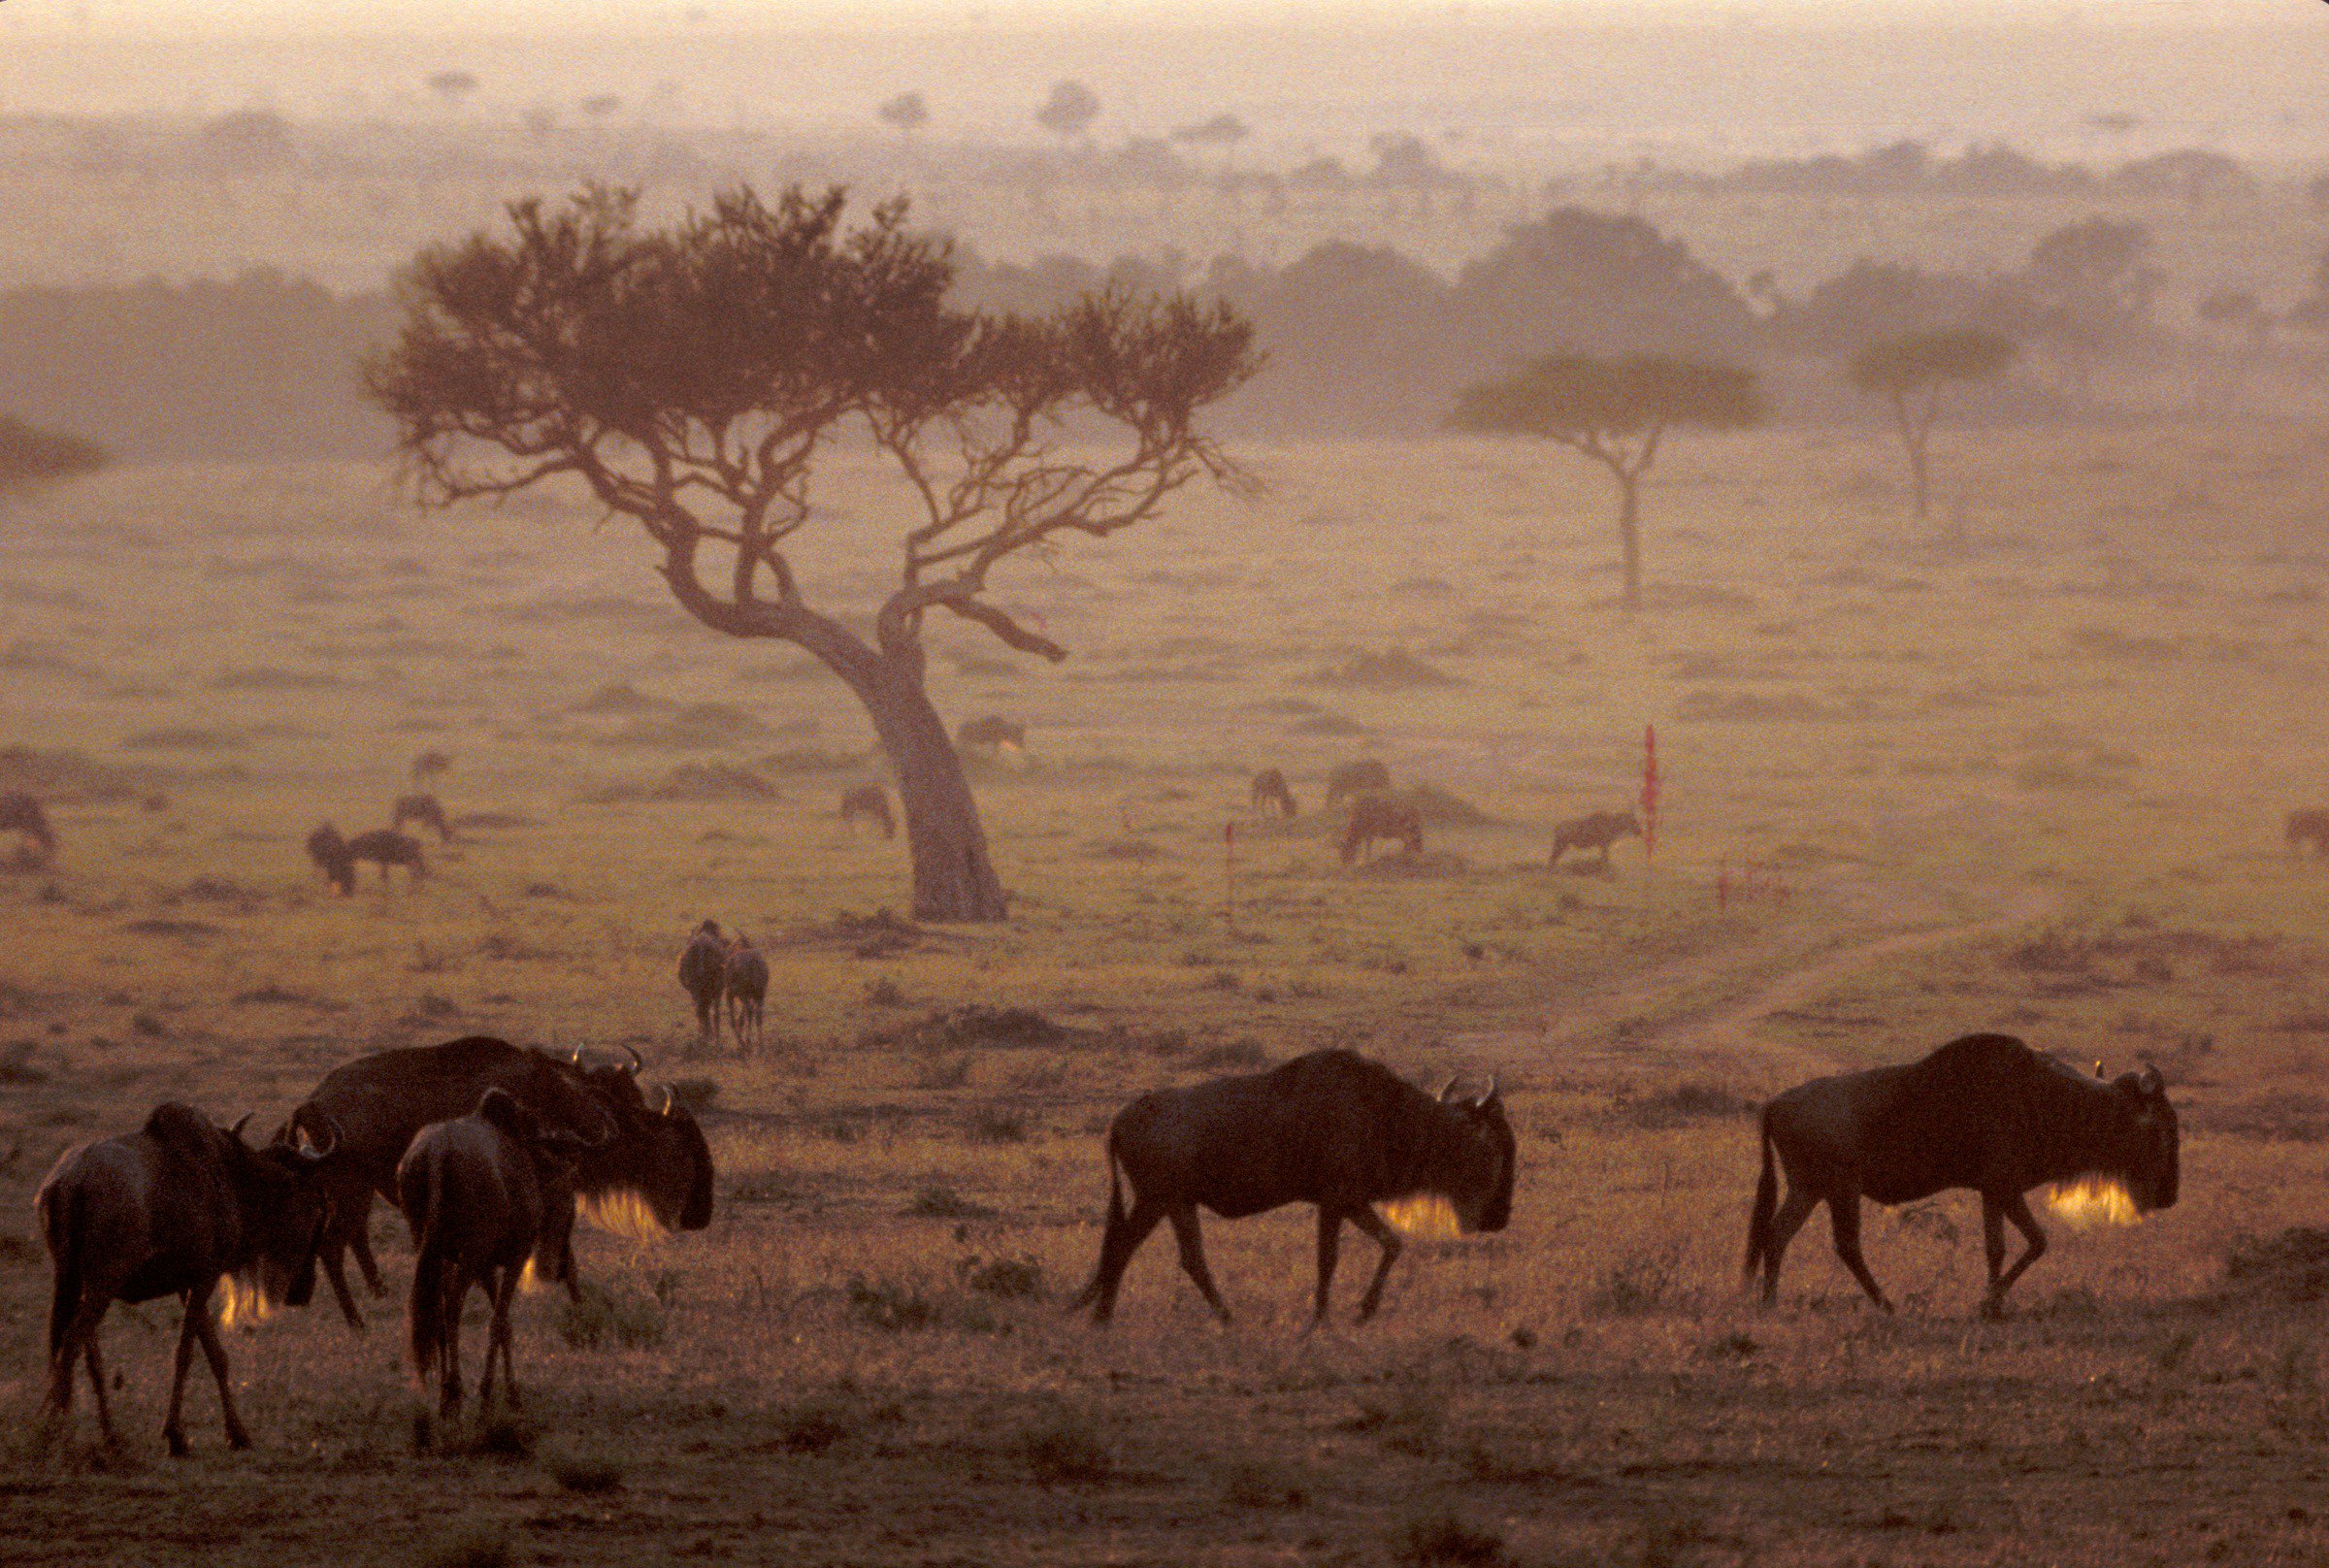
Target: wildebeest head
<point x="1481" y="1166"/>
<point x="657" y="1152"/>
<point x="2150" y="1144"/>
<point x="284" y="1210"/>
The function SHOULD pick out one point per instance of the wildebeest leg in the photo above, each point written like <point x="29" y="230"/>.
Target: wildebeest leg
<point x="174" y="1432"/>
<point x="1193" y="1255"/>
<point x="215" y="1353"/>
<point x="1844" y="1215"/>
<point x="1368" y="1221"/>
<point x="1329" y="1249"/>
<point x="1784" y="1225"/>
<point x="455" y="1287"/>
<point x="105" y="1415"/>
<point x="1116" y="1248"/>
<point x="2015" y="1208"/>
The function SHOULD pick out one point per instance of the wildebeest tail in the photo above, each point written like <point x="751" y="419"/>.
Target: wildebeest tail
<point x="1116" y="1221"/>
<point x="424" y="1314"/>
<point x="66" y="1230"/>
<point x="1766" y="1205"/>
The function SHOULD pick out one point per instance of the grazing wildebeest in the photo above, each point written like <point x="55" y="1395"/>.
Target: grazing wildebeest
<point x="1331" y="1128"/>
<point x="1983" y="1111"/>
<point x="2308" y="824"/>
<point x="991" y="734"/>
<point x="20" y="813"/>
<point x="1596" y="831"/>
<point x="747" y="984"/>
<point x="171" y="1210"/>
<point x="380" y="1102"/>
<point x="480" y="1193"/>
<point x="703" y="972"/>
<point x="1362" y="778"/>
<point x="384" y="846"/>
<point x="1382" y="816"/>
<point x="872" y="802"/>
<point x="429" y="763"/>
<point x="1271" y="795"/>
<point x="425" y="809"/>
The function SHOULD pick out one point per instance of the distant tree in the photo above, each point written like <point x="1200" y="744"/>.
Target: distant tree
<point x="1224" y="130"/>
<point x="32" y="458"/>
<point x="2086" y="293"/>
<point x="454" y="87"/>
<point x="1870" y="301"/>
<point x="907" y="113"/>
<point x="602" y="105"/>
<point x="2312" y="312"/>
<point x="247" y="140"/>
<point x="1616" y="412"/>
<point x="1069" y="110"/>
<point x="1910" y="374"/>
<point x="1600" y="282"/>
<point x="690" y="380"/>
<point x="2238" y="316"/>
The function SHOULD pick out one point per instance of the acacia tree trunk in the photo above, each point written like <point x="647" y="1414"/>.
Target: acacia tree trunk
<point x="953" y="877"/>
<point x="1629" y="530"/>
<point x="1916" y="438"/>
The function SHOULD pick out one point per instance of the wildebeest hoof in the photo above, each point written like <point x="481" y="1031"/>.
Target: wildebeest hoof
<point x="238" y="1440"/>
<point x="178" y="1443"/>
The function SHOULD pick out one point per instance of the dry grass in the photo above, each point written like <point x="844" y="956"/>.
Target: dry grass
<point x="866" y="1358"/>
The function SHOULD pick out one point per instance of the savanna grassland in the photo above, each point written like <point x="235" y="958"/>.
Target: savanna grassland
<point x="2033" y="780"/>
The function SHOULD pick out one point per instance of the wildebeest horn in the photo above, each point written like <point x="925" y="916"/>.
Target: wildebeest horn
<point x="576" y="1060"/>
<point x="2152" y="1082"/>
<point x="237" y="1131"/>
<point x="636" y="1060"/>
<point x="1445" y="1090"/>
<point x="667" y="1099"/>
<point x="2098" y="1067"/>
<point x="315" y="1153"/>
<point x="1490" y="1092"/>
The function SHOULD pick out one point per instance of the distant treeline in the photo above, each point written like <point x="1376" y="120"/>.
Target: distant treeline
<point x="1362" y="341"/>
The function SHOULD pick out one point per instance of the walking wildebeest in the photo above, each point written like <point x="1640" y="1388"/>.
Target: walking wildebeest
<point x="479" y="1193"/>
<point x="2308" y="824"/>
<point x="171" y="1210"/>
<point x="1983" y="1111"/>
<point x="425" y="809"/>
<point x="380" y="1102"/>
<point x="747" y="984"/>
<point x="991" y="734"/>
<point x="1382" y="816"/>
<point x="384" y="846"/>
<point x="872" y="802"/>
<point x="22" y="813"/>
<point x="1331" y="1128"/>
<point x="1597" y="830"/>
<point x="1362" y="778"/>
<point x="704" y="973"/>
<point x="1271" y="795"/>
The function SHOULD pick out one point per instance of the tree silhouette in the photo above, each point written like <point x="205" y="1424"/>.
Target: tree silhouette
<point x="907" y="113"/>
<point x="1069" y="110"/>
<point x="691" y="378"/>
<point x="1909" y="372"/>
<point x="2086" y="293"/>
<point x="30" y="458"/>
<point x="1616" y="412"/>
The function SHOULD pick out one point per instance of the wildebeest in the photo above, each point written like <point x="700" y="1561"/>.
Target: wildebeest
<point x="704" y="973"/>
<point x="480" y="1193"/>
<point x="22" y="813"/>
<point x="384" y="846"/>
<point x="2307" y="825"/>
<point x="171" y="1210"/>
<point x="1331" y="1128"/>
<point x="1597" y="830"/>
<point x="380" y="1102"/>
<point x="747" y="984"/>
<point x="431" y="762"/>
<point x="1382" y="816"/>
<point x="425" y="809"/>
<point x="872" y="802"/>
<point x="1983" y="1111"/>
<point x="991" y="734"/>
<point x="1271" y="795"/>
<point x="1361" y="777"/>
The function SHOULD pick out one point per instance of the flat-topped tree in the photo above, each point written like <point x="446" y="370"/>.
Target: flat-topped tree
<point x="692" y="376"/>
<point x="1910" y="372"/>
<point x="1616" y="412"/>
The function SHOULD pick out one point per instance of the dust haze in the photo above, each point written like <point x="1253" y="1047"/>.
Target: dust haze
<point x="1628" y="557"/>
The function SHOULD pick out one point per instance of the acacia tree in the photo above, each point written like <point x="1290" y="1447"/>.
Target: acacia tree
<point x="1910" y="371"/>
<point x="691" y="378"/>
<point x="31" y="457"/>
<point x="1616" y="412"/>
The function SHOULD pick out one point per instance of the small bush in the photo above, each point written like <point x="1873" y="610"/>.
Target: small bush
<point x="1682" y="1105"/>
<point x="1063" y="1450"/>
<point x="1441" y="1537"/>
<point x="945" y="1203"/>
<point x="591" y="1477"/>
<point x="884" y="992"/>
<point x="890" y="1305"/>
<point x="602" y="1317"/>
<point x="1409" y="1419"/>
<point x="1006" y="1279"/>
<point x="1639" y="1285"/>
<point x="942" y="1072"/>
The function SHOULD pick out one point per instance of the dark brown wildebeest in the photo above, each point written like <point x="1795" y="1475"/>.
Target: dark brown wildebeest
<point x="380" y="1102"/>
<point x="703" y="974"/>
<point x="425" y="809"/>
<point x="872" y="802"/>
<point x="480" y="1192"/>
<point x="1382" y="816"/>
<point x="429" y="763"/>
<point x="1271" y="795"/>
<point x="991" y="734"/>
<point x="1362" y="778"/>
<point x="171" y="1210"/>
<point x="22" y="813"/>
<point x="2308" y="824"/>
<point x="1331" y="1128"/>
<point x="1983" y="1111"/>
<point x="1597" y="830"/>
<point x="747" y="984"/>
<point x="383" y="846"/>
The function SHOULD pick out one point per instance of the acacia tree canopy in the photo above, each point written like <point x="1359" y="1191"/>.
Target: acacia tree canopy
<point x="1615" y="411"/>
<point x="691" y="376"/>
<point x="1910" y="371"/>
<point x="31" y="457"/>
